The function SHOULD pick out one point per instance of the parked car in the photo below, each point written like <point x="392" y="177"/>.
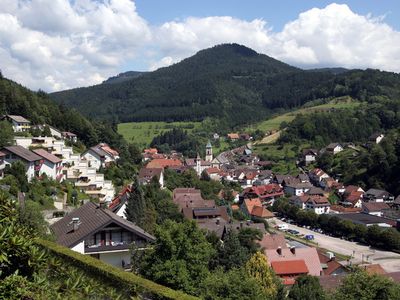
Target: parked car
<point x="309" y="237"/>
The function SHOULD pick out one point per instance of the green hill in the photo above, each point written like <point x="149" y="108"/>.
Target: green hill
<point x="228" y="82"/>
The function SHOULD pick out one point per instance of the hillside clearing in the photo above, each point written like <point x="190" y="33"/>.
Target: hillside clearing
<point x="142" y="133"/>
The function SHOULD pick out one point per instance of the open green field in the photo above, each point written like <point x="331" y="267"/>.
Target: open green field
<point x="142" y="133"/>
<point x="275" y="122"/>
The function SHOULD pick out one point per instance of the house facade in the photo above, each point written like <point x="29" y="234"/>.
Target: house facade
<point x="100" y="156"/>
<point x="52" y="165"/>
<point x="19" y="123"/>
<point x="147" y="174"/>
<point x="98" y="232"/>
<point x="31" y="160"/>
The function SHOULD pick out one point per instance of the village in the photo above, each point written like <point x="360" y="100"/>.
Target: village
<point x="284" y="208"/>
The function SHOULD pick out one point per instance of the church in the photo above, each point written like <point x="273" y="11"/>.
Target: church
<point x="198" y="164"/>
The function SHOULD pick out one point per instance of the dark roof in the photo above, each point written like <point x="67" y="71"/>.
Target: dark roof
<point x="331" y="146"/>
<point x="216" y="225"/>
<point x="48" y="156"/>
<point x="376" y="192"/>
<point x="375" y="135"/>
<point x="315" y="191"/>
<point x="92" y="219"/>
<point x="375" y="206"/>
<point x="23" y="153"/>
<point x="148" y="173"/>
<point x="100" y="152"/>
<point x="236" y="226"/>
<point x="362" y="218"/>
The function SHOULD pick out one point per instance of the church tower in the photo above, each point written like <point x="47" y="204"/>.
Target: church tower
<point x="209" y="155"/>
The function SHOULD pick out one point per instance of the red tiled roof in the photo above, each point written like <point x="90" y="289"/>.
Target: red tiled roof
<point x="109" y="150"/>
<point x="212" y="170"/>
<point x="2" y="154"/>
<point x="117" y="200"/>
<point x="163" y="163"/>
<point x="261" y="212"/>
<point x="151" y="151"/>
<point x="309" y="255"/>
<point x="339" y="208"/>
<point x="289" y="267"/>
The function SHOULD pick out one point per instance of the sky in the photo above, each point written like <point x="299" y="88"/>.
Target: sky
<point x="60" y="44"/>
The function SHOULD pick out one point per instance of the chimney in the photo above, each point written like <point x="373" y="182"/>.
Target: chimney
<point x="331" y="255"/>
<point x="279" y="250"/>
<point x="293" y="250"/>
<point x="75" y="224"/>
<point x="241" y="224"/>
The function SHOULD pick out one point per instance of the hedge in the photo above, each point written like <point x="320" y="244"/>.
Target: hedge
<point x="111" y="275"/>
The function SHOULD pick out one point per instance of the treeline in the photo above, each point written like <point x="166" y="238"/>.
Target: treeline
<point x="179" y="140"/>
<point x="383" y="238"/>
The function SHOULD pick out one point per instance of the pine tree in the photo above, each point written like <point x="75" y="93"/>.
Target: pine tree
<point x="136" y="206"/>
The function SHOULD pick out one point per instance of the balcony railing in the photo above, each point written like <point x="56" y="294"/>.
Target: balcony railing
<point x="114" y="246"/>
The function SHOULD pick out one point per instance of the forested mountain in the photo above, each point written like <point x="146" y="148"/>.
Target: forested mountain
<point x="124" y="77"/>
<point x="229" y="82"/>
<point x="39" y="109"/>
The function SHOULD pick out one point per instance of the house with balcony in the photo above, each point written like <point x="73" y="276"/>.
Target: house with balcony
<point x="98" y="232"/>
<point x="19" y="123"/>
<point x="100" y="155"/>
<point x="31" y="160"/>
<point x="52" y="165"/>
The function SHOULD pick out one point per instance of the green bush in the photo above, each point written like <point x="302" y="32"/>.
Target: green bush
<point x="113" y="276"/>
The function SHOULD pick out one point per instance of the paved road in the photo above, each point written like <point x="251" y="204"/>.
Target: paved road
<point x="390" y="261"/>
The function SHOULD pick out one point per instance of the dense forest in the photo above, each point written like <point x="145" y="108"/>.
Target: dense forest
<point x="229" y="82"/>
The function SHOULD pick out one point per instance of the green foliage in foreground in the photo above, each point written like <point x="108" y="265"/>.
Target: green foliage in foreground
<point x="127" y="284"/>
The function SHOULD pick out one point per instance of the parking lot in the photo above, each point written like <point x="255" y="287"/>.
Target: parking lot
<point x="390" y="261"/>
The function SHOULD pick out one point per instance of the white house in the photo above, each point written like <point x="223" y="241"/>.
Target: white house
<point x="52" y="165"/>
<point x="309" y="156"/>
<point x="32" y="161"/>
<point x="18" y="123"/>
<point x="334" y="148"/>
<point x="320" y="205"/>
<point x="147" y="174"/>
<point x="375" y="208"/>
<point x="297" y="189"/>
<point x="100" y="155"/>
<point x="98" y="232"/>
<point x="376" y="138"/>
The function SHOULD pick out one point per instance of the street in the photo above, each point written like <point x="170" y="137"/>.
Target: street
<point x="390" y="261"/>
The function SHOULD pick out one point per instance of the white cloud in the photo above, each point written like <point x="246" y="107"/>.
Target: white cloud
<point x="58" y="44"/>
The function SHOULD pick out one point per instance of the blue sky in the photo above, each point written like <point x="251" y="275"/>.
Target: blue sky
<point x="276" y="13"/>
<point x="60" y="44"/>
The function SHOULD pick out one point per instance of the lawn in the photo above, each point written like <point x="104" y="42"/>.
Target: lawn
<point x="275" y="122"/>
<point x="142" y="133"/>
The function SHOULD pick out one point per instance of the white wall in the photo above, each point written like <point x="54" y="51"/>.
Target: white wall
<point x="115" y="258"/>
<point x="79" y="248"/>
<point x="95" y="161"/>
<point x="49" y="169"/>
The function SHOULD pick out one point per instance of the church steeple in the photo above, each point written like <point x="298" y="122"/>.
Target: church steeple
<point x="198" y="164"/>
<point x="209" y="154"/>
